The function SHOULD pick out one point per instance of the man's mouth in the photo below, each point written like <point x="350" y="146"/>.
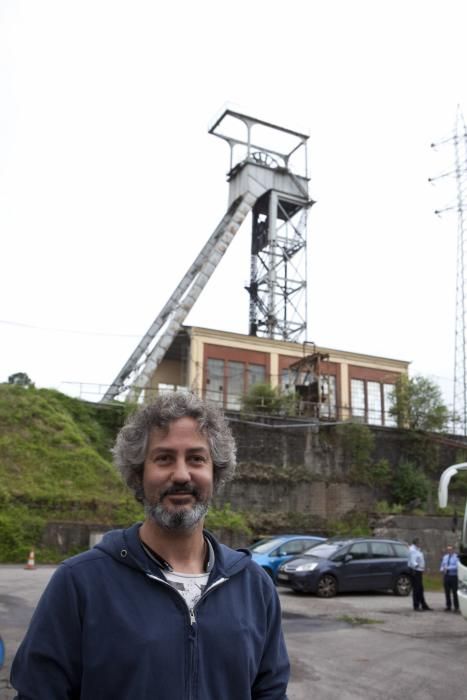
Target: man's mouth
<point x="184" y="492"/>
<point x="180" y="496"/>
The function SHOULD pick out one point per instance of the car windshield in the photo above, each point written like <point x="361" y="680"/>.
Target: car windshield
<point x="325" y="550"/>
<point x="266" y="545"/>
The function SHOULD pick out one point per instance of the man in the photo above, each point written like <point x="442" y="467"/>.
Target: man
<point x="450" y="581"/>
<point x="160" y="610"/>
<point x="417" y="567"/>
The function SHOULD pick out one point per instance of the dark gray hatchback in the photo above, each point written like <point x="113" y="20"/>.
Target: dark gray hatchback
<point x="349" y="564"/>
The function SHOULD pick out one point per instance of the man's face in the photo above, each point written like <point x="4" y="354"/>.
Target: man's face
<point x="178" y="475"/>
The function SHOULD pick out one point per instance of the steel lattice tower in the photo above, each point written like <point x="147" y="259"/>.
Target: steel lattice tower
<point x="458" y="141"/>
<point x="276" y="156"/>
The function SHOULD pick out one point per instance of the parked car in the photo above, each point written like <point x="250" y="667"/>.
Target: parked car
<point x="349" y="564"/>
<point x="271" y="552"/>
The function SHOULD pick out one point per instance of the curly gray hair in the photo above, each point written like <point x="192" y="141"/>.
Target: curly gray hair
<point x="130" y="447"/>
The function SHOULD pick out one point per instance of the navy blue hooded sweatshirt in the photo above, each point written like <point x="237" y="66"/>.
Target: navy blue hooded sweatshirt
<point x="110" y="627"/>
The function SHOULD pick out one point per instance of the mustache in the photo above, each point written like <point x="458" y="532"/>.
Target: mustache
<point x="185" y="489"/>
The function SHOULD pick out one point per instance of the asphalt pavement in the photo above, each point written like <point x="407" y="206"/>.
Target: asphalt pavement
<point x="374" y="647"/>
<point x="352" y="647"/>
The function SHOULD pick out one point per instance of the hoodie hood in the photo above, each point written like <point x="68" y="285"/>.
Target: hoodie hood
<point x="125" y="547"/>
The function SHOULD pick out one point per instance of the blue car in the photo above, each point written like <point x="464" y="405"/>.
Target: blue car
<point x="271" y="552"/>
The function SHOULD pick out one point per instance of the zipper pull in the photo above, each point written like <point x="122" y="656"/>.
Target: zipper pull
<point x="192" y="616"/>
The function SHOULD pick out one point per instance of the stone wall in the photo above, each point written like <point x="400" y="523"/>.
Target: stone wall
<point x="323" y="456"/>
<point x="70" y="536"/>
<point x="281" y="443"/>
<point x="320" y="498"/>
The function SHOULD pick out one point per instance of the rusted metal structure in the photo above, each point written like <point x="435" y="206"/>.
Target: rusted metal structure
<point x="312" y="386"/>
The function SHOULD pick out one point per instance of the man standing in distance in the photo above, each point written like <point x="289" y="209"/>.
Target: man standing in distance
<point x="417" y="567"/>
<point x="450" y="581"/>
<point x="160" y="610"/>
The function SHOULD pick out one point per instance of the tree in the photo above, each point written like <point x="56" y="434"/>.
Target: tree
<point x="418" y="404"/>
<point x="20" y="378"/>
<point x="358" y="443"/>
<point x="409" y="486"/>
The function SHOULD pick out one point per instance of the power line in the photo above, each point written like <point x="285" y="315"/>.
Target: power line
<point x="67" y="330"/>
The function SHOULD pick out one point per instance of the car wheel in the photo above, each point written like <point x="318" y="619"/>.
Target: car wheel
<point x="403" y="585"/>
<point x="269" y="572"/>
<point x="327" y="586"/>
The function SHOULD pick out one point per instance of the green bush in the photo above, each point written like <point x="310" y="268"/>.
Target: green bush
<point x="385" y="507"/>
<point x="226" y="519"/>
<point x="381" y="473"/>
<point x="353" y="523"/>
<point x="358" y="443"/>
<point x="20" y="531"/>
<point x="409" y="486"/>
<point x="263" y="398"/>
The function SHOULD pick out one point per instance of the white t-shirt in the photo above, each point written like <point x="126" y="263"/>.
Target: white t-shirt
<point x="191" y="586"/>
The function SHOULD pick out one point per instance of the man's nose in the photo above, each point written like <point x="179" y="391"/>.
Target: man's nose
<point x="181" y="473"/>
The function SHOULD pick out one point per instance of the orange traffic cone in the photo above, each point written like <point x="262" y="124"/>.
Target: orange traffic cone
<point x="31" y="561"/>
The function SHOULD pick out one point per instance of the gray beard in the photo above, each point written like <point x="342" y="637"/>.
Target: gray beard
<point x="183" y="519"/>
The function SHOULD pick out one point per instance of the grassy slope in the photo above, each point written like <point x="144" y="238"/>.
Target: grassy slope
<point x="55" y="464"/>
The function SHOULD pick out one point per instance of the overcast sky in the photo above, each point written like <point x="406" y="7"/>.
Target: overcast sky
<point x="110" y="183"/>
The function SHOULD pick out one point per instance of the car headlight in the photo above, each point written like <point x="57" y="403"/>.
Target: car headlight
<point x="307" y="567"/>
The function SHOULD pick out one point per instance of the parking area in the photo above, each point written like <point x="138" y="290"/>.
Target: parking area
<point x="373" y="647"/>
<point x="350" y="647"/>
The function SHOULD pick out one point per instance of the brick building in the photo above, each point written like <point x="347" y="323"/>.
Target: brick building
<point x="330" y="384"/>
